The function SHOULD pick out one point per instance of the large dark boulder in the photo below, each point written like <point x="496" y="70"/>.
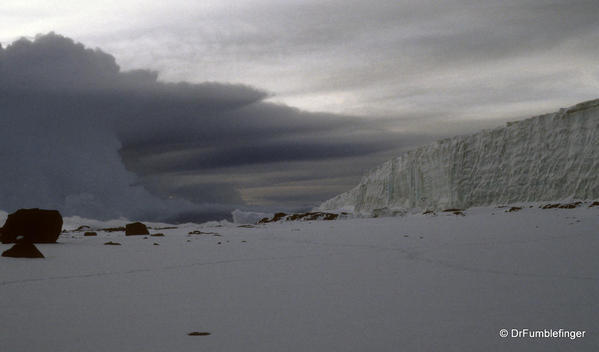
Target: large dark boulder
<point x="23" y="250"/>
<point x="34" y="225"/>
<point x="136" y="228"/>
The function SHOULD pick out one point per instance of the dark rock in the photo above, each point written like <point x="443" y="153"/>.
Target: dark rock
<point x="198" y="333"/>
<point x="309" y="216"/>
<point x="570" y="205"/>
<point x="452" y="210"/>
<point x="561" y="206"/>
<point x="276" y="217"/>
<point x="157" y="235"/>
<point x="110" y="243"/>
<point x="198" y="232"/>
<point x="90" y="233"/>
<point x="113" y="229"/>
<point x="513" y="209"/>
<point x="595" y="204"/>
<point x="330" y="216"/>
<point x="136" y="228"/>
<point x="156" y="244"/>
<point x="35" y="225"/>
<point x="23" y="250"/>
<point x="82" y="228"/>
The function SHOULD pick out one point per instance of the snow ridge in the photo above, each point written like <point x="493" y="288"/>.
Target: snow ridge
<point x="549" y="157"/>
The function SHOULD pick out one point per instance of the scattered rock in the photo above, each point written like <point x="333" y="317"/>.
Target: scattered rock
<point x="110" y="243"/>
<point x="249" y="226"/>
<point x="157" y="235"/>
<point x="406" y="235"/>
<point x="244" y="241"/>
<point x="459" y="213"/>
<point x="218" y="242"/>
<point x="513" y="209"/>
<point x="82" y="228"/>
<point x="198" y="333"/>
<point x="90" y="233"/>
<point x="198" y="232"/>
<point x="23" y="250"/>
<point x="561" y="206"/>
<point x="570" y="205"/>
<point x="309" y="216"/>
<point x="275" y="218"/>
<point x="136" y="228"/>
<point x="427" y="212"/>
<point x="452" y="210"/>
<point x="156" y="244"/>
<point x="113" y="229"/>
<point x="594" y="204"/>
<point x="36" y="225"/>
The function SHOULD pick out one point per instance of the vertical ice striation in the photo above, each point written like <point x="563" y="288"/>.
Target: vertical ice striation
<point x="548" y="157"/>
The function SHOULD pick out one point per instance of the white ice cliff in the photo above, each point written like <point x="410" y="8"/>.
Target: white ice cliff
<point x="543" y="158"/>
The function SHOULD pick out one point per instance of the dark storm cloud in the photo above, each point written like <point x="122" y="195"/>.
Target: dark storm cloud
<point x="429" y="68"/>
<point x="74" y="127"/>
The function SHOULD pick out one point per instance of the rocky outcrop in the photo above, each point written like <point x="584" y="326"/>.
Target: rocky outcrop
<point x="315" y="215"/>
<point x="136" y="228"/>
<point x="23" y="250"/>
<point x="33" y="225"/>
<point x="545" y="158"/>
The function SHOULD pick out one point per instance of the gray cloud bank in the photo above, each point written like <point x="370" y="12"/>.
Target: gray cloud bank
<point x="80" y="135"/>
<point x="456" y="59"/>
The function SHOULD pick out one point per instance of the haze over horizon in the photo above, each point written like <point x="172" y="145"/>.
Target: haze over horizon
<point x="284" y="105"/>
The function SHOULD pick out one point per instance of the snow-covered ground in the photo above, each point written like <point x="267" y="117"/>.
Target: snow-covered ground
<point x="412" y="283"/>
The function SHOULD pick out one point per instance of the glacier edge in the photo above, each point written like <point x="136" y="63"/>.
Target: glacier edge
<point x="548" y="157"/>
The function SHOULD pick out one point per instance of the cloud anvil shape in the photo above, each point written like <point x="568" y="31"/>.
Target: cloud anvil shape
<point x="82" y="136"/>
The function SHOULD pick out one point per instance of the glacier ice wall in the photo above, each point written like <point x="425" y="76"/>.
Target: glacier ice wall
<point x="548" y="157"/>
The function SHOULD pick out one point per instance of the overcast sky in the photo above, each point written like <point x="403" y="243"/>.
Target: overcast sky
<point x="304" y="95"/>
